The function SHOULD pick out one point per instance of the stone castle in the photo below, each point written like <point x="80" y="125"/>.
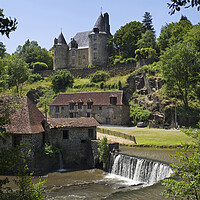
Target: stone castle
<point x="86" y="48"/>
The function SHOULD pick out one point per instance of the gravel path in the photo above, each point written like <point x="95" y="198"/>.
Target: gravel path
<point x="113" y="139"/>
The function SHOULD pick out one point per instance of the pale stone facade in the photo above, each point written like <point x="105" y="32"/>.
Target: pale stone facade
<point x="85" y="48"/>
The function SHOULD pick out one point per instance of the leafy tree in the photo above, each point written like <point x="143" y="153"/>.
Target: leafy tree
<point x="147" y="22"/>
<point x="187" y="169"/>
<point x="126" y="38"/>
<point x="2" y="50"/>
<point x="62" y="79"/>
<point x="7" y="25"/>
<point x="180" y="69"/>
<point x="99" y="76"/>
<point x="176" y="5"/>
<point x="138" y="113"/>
<point x="145" y="53"/>
<point x="39" y="66"/>
<point x="31" y="52"/>
<point x="103" y="150"/>
<point x="34" y="78"/>
<point x="17" y="72"/>
<point x="148" y="40"/>
<point x="173" y="33"/>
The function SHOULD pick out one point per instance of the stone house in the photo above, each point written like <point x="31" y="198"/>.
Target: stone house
<point x="85" y="48"/>
<point x="107" y="107"/>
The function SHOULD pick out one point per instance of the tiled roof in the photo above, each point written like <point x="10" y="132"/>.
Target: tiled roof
<point x="27" y="119"/>
<point x="72" y="122"/>
<point x="81" y="39"/>
<point x="98" y="98"/>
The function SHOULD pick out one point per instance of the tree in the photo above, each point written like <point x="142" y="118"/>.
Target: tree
<point x="147" y="22"/>
<point x="17" y="72"/>
<point x="187" y="169"/>
<point x="145" y="53"/>
<point x="126" y="38"/>
<point x="62" y="79"/>
<point x="176" y="5"/>
<point x="2" y="50"/>
<point x="148" y="40"/>
<point x="31" y="52"/>
<point x="180" y="69"/>
<point x="103" y="150"/>
<point x="7" y="25"/>
<point x="173" y="33"/>
<point x="99" y="76"/>
<point x="39" y="66"/>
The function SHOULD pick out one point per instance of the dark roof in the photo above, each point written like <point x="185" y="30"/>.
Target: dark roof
<point x="100" y="24"/>
<point x="27" y="119"/>
<point x="98" y="98"/>
<point x="82" y="39"/>
<point x="61" y="39"/>
<point x="72" y="122"/>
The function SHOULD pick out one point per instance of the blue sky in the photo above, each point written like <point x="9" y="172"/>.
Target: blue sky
<point x="42" y="20"/>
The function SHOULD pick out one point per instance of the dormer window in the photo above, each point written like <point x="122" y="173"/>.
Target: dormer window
<point x="71" y="106"/>
<point x="80" y="105"/>
<point x="89" y="105"/>
<point x="113" y="100"/>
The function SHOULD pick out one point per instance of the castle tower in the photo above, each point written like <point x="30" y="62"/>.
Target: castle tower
<point x="98" y="41"/>
<point x="61" y="50"/>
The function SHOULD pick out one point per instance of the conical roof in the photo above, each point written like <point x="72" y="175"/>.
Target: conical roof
<point x="100" y="24"/>
<point x="61" y="39"/>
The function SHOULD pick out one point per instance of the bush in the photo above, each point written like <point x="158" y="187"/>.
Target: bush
<point x="62" y="79"/>
<point x="39" y="66"/>
<point x="131" y="60"/>
<point x="34" y="78"/>
<point x="99" y="76"/>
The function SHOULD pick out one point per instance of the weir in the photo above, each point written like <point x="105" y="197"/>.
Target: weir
<point x="140" y="170"/>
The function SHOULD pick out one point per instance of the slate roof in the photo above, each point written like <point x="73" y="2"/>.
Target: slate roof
<point x="100" y="24"/>
<point x="101" y="98"/>
<point x="27" y="119"/>
<point x="72" y="122"/>
<point x="81" y="39"/>
<point x="61" y="39"/>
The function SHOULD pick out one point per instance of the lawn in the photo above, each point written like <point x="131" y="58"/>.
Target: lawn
<point x="167" y="138"/>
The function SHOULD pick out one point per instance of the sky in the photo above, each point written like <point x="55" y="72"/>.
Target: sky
<point x="43" y="20"/>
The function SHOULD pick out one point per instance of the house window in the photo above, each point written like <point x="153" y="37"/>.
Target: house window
<point x="95" y="55"/>
<point x="73" y="115"/>
<point x="95" y="46"/>
<point x="56" y="116"/>
<point x="91" y="133"/>
<point x="100" y="107"/>
<point x="88" y="114"/>
<point x="95" y="37"/>
<point x="89" y="105"/>
<point x="113" y="100"/>
<point x="71" y="106"/>
<point x="62" y="109"/>
<point x="16" y="140"/>
<point x="65" y="134"/>
<point x="80" y="105"/>
<point x="56" y="109"/>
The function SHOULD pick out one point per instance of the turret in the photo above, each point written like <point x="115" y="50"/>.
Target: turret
<point x="61" y="50"/>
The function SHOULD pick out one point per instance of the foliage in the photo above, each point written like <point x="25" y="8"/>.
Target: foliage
<point x="103" y="150"/>
<point x="176" y="5"/>
<point x="180" y="69"/>
<point x="147" y="22"/>
<point x="145" y="53"/>
<point x="173" y="33"/>
<point x="148" y="40"/>
<point x="31" y="53"/>
<point x="99" y="76"/>
<point x="2" y="50"/>
<point x="62" y="79"/>
<point x="125" y="39"/>
<point x="50" y="150"/>
<point x="17" y="72"/>
<point x="39" y="66"/>
<point x="187" y="169"/>
<point x="7" y="24"/>
<point x="138" y="113"/>
<point x="34" y="78"/>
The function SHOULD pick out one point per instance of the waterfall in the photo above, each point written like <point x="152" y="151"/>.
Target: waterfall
<point x="61" y="169"/>
<point x="138" y="169"/>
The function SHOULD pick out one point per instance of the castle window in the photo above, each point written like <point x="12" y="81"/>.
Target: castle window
<point x="95" y="55"/>
<point x="79" y="62"/>
<point x="113" y="100"/>
<point x="73" y="62"/>
<point x="65" y="134"/>
<point x="95" y="37"/>
<point x="95" y="46"/>
<point x="73" y="53"/>
<point x="83" y="56"/>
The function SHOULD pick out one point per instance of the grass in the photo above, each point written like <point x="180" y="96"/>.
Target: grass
<point x="159" y="138"/>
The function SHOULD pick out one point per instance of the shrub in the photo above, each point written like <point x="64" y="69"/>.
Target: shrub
<point x="99" y="76"/>
<point x="34" y="78"/>
<point x="39" y="66"/>
<point x="62" y="79"/>
<point x="131" y="60"/>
